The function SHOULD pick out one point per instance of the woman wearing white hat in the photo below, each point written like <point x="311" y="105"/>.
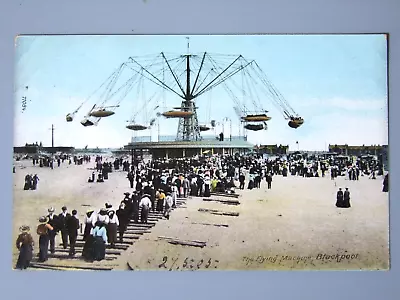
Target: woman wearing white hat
<point x="24" y="244"/>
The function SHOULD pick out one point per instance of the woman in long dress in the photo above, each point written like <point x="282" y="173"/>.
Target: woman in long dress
<point x="385" y="188"/>
<point x="28" y="182"/>
<point x="24" y="244"/>
<point x="339" y="198"/>
<point x="35" y="180"/>
<point x="89" y="223"/>
<point x="346" y="198"/>
<point x="99" y="241"/>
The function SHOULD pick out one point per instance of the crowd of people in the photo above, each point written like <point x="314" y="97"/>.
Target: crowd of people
<point x="31" y="182"/>
<point x="102" y="228"/>
<point x="156" y="185"/>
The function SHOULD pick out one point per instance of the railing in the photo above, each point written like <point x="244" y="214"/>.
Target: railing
<point x="172" y="138"/>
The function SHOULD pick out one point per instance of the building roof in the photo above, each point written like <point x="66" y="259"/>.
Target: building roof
<point x="352" y="147"/>
<point x="236" y="144"/>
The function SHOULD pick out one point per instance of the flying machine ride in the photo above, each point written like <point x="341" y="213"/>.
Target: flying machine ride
<point x="187" y="77"/>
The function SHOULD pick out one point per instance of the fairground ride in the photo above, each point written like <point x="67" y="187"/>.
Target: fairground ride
<point x="188" y="77"/>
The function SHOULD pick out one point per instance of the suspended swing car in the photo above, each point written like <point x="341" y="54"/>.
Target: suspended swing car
<point x="295" y="122"/>
<point x="255" y="127"/>
<point x="101" y="113"/>
<point x="204" y="128"/>
<point x="136" y="127"/>
<point x="152" y="121"/>
<point x="177" y="114"/>
<point x="86" y="122"/>
<point x="256" y="118"/>
<point x="69" y="117"/>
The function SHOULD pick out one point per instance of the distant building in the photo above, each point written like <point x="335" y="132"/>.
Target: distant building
<point x="36" y="148"/>
<point x="272" y="149"/>
<point x="168" y="147"/>
<point x="359" y="150"/>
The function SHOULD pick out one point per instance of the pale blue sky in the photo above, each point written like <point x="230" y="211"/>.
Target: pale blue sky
<point x="337" y="83"/>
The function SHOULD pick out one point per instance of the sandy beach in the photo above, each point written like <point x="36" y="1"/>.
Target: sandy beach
<point x="295" y="225"/>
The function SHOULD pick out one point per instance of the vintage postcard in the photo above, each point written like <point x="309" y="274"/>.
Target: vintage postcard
<point x="185" y="153"/>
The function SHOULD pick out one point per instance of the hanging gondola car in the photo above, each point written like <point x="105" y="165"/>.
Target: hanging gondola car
<point x="204" y="128"/>
<point x="87" y="122"/>
<point x="295" y="122"/>
<point x="136" y="127"/>
<point x="177" y="114"/>
<point x="152" y="121"/>
<point x="256" y="118"/>
<point x="254" y="127"/>
<point x="69" y="118"/>
<point x="101" y="113"/>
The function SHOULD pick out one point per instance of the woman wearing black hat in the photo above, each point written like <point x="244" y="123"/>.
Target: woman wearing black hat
<point x="90" y="221"/>
<point x="112" y="227"/>
<point x="24" y="244"/>
<point x="346" y="198"/>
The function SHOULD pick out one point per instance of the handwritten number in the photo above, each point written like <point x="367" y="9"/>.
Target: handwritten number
<point x="185" y="262"/>
<point x="216" y="261"/>
<point x="200" y="263"/>
<point x="192" y="261"/>
<point x="165" y="258"/>
<point x="208" y="263"/>
<point x="173" y="263"/>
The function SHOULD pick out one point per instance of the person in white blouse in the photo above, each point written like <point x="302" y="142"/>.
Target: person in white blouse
<point x="103" y="217"/>
<point x="168" y="202"/>
<point x="90" y="222"/>
<point x="144" y="205"/>
<point x="113" y="224"/>
<point x="174" y="194"/>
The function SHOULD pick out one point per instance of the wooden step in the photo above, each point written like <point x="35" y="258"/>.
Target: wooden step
<point x="117" y="243"/>
<point x="46" y="267"/>
<point x="225" y="195"/>
<point x="79" y="250"/>
<point x="78" y="256"/>
<point x="149" y="224"/>
<point x="134" y="230"/>
<point x="122" y="246"/>
<point x="63" y="268"/>
<point x="131" y="237"/>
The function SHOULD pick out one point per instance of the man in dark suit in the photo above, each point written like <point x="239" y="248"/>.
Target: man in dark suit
<point x="54" y="222"/>
<point x="123" y="217"/>
<point x="62" y="218"/>
<point x="72" y="225"/>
